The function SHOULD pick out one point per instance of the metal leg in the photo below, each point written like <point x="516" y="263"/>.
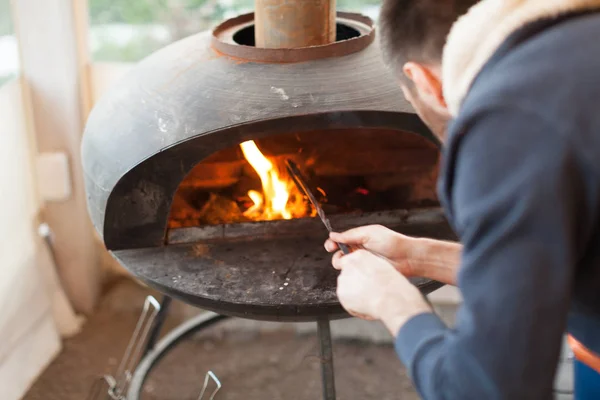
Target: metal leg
<point x="158" y="324"/>
<point x="326" y="352"/>
<point x="165" y="345"/>
<point x="209" y="319"/>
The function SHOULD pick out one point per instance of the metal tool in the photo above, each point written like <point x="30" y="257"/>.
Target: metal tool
<point x="210" y="375"/>
<point x="303" y="185"/>
<point x="102" y="388"/>
<point x="115" y="387"/>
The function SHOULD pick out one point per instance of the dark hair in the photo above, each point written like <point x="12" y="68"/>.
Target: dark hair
<point x="416" y="30"/>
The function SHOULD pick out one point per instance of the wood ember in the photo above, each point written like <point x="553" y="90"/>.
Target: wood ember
<point x="364" y="170"/>
<point x="219" y="209"/>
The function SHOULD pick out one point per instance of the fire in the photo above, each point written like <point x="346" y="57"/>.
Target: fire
<point x="280" y="197"/>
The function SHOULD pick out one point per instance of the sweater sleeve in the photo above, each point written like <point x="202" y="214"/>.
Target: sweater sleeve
<point x="517" y="195"/>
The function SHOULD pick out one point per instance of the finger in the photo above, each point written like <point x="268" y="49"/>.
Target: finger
<point x="336" y="260"/>
<point x="331" y="246"/>
<point x="356" y="259"/>
<point x="364" y="260"/>
<point x="343" y="261"/>
<point x="344" y="280"/>
<point x="357" y="236"/>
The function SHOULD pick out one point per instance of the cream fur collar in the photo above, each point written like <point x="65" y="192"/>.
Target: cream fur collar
<point x="478" y="34"/>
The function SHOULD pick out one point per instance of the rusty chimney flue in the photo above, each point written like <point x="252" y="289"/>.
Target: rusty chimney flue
<point x="287" y="24"/>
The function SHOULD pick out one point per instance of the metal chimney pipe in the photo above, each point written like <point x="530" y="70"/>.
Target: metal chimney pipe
<point x="288" y="24"/>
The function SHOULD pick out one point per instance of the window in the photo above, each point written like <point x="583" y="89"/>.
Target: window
<point x="9" y="55"/>
<point x="129" y="30"/>
<point x="370" y="8"/>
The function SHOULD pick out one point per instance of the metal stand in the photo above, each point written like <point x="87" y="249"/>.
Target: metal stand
<point x="326" y="352"/>
<point x="158" y="323"/>
<point x="155" y="352"/>
<point x="116" y="386"/>
<point x="129" y="380"/>
<point x="165" y="345"/>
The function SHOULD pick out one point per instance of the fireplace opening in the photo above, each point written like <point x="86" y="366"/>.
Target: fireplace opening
<point x="246" y="35"/>
<point x="352" y="172"/>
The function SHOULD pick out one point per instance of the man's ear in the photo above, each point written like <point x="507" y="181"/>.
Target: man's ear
<point x="426" y="81"/>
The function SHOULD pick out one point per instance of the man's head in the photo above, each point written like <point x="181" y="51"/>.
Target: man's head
<point x="413" y="35"/>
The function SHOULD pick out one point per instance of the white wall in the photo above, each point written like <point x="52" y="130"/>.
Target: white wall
<point x="29" y="338"/>
<point x="53" y="52"/>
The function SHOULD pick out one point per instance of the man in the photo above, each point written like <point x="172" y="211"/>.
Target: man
<point x="519" y="111"/>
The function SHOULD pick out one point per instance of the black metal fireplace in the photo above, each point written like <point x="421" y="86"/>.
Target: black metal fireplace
<point x="167" y="182"/>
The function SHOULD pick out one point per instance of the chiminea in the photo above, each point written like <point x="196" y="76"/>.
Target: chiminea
<point x="184" y="160"/>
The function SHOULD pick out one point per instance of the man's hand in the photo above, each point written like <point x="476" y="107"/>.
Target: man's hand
<point x="433" y="259"/>
<point x="369" y="287"/>
<point x="379" y="240"/>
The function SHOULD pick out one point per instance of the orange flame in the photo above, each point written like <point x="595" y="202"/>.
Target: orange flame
<point x="280" y="197"/>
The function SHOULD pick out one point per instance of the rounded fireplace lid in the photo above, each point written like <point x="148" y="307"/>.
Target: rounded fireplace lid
<point x="189" y="100"/>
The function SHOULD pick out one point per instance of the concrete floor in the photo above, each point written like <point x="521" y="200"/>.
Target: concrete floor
<point x="254" y="360"/>
<point x="275" y="361"/>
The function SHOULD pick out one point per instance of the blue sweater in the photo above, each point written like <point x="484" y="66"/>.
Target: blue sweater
<point x="521" y="187"/>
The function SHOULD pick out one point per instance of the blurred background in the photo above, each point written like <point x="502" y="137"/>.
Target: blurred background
<point x="129" y="30"/>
